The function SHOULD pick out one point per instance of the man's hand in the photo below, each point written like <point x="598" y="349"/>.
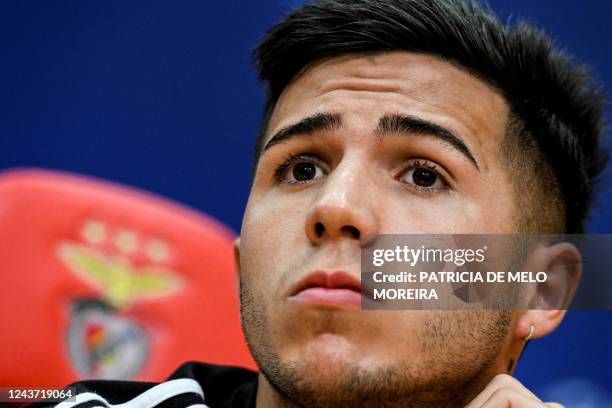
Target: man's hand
<point x="505" y="391"/>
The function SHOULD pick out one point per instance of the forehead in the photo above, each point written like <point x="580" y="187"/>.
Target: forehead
<point x="395" y="82"/>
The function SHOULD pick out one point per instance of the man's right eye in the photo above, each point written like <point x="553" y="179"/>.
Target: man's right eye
<point x="299" y="170"/>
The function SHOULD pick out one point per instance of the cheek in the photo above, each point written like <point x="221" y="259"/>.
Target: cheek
<point x="458" y="215"/>
<point x="436" y="215"/>
<point x="476" y="211"/>
<point x="494" y="211"/>
<point x="272" y="233"/>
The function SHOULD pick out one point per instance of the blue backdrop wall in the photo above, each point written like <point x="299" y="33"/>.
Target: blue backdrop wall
<point x="161" y="95"/>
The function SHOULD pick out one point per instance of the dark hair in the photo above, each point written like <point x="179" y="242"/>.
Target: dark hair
<point x="556" y="103"/>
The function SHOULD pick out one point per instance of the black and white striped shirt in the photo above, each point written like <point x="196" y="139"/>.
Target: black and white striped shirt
<point x="193" y="385"/>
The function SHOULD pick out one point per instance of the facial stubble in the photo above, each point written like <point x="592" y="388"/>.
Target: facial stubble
<point x="458" y="349"/>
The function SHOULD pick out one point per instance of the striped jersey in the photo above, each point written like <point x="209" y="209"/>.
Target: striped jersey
<point x="193" y="384"/>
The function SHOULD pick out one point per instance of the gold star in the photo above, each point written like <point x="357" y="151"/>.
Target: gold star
<point x="157" y="250"/>
<point x="126" y="241"/>
<point x="94" y="231"/>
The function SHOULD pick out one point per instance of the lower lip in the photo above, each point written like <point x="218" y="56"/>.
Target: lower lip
<point x="341" y="298"/>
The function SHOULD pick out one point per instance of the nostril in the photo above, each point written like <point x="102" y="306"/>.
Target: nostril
<point x="354" y="232"/>
<point x="319" y="229"/>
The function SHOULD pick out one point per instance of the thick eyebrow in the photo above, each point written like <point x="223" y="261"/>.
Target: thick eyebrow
<point x="306" y="126"/>
<point x="411" y="125"/>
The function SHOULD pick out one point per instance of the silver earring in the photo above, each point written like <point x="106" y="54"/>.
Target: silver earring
<point x="531" y="332"/>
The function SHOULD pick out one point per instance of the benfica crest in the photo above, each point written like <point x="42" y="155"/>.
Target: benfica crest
<point x="124" y="268"/>
<point x="103" y="344"/>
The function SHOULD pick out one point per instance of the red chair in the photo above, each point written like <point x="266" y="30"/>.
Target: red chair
<point x="104" y="281"/>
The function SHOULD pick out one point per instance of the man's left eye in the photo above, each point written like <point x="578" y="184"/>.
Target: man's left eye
<point x="298" y="170"/>
<point x="423" y="178"/>
<point x="304" y="171"/>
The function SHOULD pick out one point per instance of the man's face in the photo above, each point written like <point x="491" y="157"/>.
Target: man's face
<point x="400" y="143"/>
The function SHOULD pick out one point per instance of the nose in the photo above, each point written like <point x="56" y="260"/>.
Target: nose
<point x="345" y="207"/>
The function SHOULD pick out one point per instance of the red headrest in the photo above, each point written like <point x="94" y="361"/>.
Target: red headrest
<point x="103" y="281"/>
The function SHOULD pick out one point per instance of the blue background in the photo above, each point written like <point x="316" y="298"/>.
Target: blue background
<point x="161" y="95"/>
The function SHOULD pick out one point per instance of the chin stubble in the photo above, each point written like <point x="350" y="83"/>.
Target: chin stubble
<point x="460" y="346"/>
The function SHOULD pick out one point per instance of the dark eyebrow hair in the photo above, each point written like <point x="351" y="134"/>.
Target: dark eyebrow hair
<point x="409" y="124"/>
<point x="306" y="126"/>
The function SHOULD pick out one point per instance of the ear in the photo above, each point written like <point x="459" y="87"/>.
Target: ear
<point x="237" y="265"/>
<point x="237" y="255"/>
<point x="549" y="300"/>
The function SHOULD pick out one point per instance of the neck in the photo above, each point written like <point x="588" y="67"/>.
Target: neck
<point x="269" y="397"/>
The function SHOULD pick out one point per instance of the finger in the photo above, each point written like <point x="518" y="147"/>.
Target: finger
<point x="512" y="398"/>
<point x="554" y="405"/>
<point x="500" y="381"/>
